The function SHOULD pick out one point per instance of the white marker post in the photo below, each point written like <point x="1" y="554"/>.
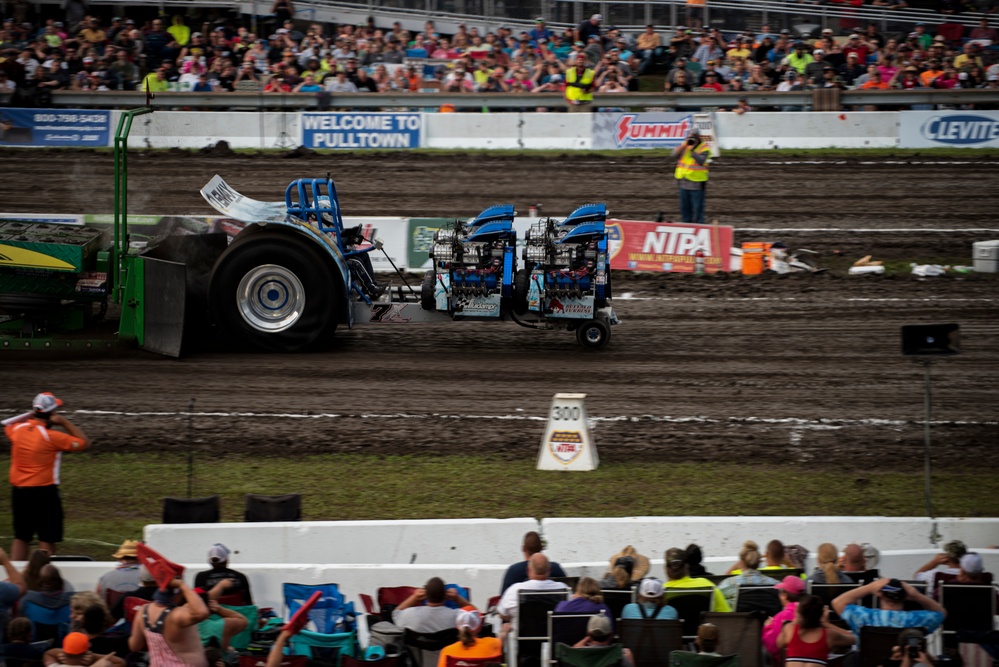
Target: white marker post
<point x="567" y="444"/>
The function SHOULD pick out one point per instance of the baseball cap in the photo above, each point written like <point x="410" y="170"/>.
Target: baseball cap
<point x="46" y="402"/>
<point x="651" y="588"/>
<point x="818" y="52"/>
<point x="76" y="643"/>
<point x="219" y="553"/>
<point x="893" y="590"/>
<point x="599" y="627"/>
<point x="854" y="36"/>
<point x="707" y="632"/>
<point x="468" y="617"/>
<point x="792" y="584"/>
<point x="597" y="17"/>
<point x="539" y="20"/>
<point x="972" y="563"/>
<point x="676" y="557"/>
<point x="827" y="31"/>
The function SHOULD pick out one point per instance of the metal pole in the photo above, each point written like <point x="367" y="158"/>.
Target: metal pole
<point x="926" y="440"/>
<point x="190" y="450"/>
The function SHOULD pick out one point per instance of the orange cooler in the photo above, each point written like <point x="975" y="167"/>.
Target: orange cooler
<point x="754" y="257"/>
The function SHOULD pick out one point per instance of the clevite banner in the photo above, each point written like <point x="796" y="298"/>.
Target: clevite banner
<point x="361" y="130"/>
<point x="650" y="130"/>
<point x="668" y="246"/>
<point x="936" y="129"/>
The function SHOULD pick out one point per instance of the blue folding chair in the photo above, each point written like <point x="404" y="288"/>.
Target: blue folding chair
<point x="331" y="614"/>
<point x="46" y="623"/>
<point x="324" y="647"/>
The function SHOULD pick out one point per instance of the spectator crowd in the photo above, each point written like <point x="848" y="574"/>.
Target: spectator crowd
<point x="200" y="623"/>
<point x="165" y="53"/>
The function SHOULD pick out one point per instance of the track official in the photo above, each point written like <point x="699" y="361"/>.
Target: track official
<point x="579" y="85"/>
<point x="692" y="157"/>
<point x="35" y="455"/>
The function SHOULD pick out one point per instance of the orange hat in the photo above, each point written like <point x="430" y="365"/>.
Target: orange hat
<point x="76" y="643"/>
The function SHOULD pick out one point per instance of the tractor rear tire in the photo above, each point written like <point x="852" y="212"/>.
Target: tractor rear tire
<point x="428" y="301"/>
<point x="593" y="334"/>
<point x="275" y="291"/>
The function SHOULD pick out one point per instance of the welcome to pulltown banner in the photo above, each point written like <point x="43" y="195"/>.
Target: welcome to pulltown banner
<point x="361" y="130"/>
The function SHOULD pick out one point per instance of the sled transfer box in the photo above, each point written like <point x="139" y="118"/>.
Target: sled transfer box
<point x="986" y="256"/>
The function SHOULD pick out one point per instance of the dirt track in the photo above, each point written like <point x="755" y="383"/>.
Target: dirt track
<point x="803" y="369"/>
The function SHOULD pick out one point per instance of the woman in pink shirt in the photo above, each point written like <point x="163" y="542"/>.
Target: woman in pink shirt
<point x="791" y="589"/>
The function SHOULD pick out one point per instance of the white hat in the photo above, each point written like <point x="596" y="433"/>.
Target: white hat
<point x="651" y="588"/>
<point x="597" y="17"/>
<point x="46" y="402"/>
<point x="219" y="553"/>
<point x="470" y="618"/>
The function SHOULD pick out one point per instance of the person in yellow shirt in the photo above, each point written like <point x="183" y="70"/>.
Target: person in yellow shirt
<point x="969" y="58"/>
<point x="741" y="49"/>
<point x="156" y="82"/>
<point x="649" y="45"/>
<point x="579" y="85"/>
<point x="678" y="577"/>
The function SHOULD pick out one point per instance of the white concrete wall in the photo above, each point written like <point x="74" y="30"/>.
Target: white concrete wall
<point x="200" y="129"/>
<point x="507" y="130"/>
<point x="807" y="130"/>
<point x="451" y="541"/>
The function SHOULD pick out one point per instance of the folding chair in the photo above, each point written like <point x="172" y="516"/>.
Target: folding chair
<point x="739" y="634"/>
<point x="452" y="661"/>
<point x="922" y="587"/>
<point x="191" y="510"/>
<point x="970" y="607"/>
<point x="46" y="623"/>
<point x="602" y="656"/>
<point x="780" y="573"/>
<point x="130" y="606"/>
<point x="425" y="648"/>
<point x="212" y="627"/>
<point x="864" y="576"/>
<point x="760" y="599"/>
<point x="368" y="602"/>
<point x="688" y="659"/>
<point x="876" y="644"/>
<point x="324" y="649"/>
<point x="330" y="614"/>
<point x="532" y="622"/>
<point x="829" y="592"/>
<point x="390" y="597"/>
<point x="259" y="508"/>
<point x="616" y="600"/>
<point x="690" y="603"/>
<point x="571" y="582"/>
<point x="566" y="628"/>
<point x="348" y="661"/>
<point x="650" y="639"/>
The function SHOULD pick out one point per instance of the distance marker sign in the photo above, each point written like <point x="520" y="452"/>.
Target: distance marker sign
<point x="567" y="444"/>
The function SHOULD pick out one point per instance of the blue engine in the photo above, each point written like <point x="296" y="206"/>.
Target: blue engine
<point x="566" y="272"/>
<point x="474" y="265"/>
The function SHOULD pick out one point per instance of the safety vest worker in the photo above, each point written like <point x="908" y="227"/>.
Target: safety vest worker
<point x="579" y="85"/>
<point x="692" y="176"/>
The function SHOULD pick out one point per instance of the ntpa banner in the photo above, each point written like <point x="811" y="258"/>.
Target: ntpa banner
<point x="667" y="246"/>
<point x="934" y="129"/>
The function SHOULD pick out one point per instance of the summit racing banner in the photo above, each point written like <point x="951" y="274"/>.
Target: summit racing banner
<point x="361" y="130"/>
<point x="667" y="246"/>
<point x="965" y="129"/>
<point x="54" y="127"/>
<point x="650" y="130"/>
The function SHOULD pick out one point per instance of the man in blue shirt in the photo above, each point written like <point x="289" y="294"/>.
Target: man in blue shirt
<point x="10" y="591"/>
<point x="893" y="594"/>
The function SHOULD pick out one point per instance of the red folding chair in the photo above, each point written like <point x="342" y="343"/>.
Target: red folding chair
<point x="130" y="605"/>
<point x="369" y="603"/>
<point x="390" y="597"/>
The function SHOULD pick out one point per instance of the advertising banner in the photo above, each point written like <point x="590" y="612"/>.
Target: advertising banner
<point x="667" y="246"/>
<point x="361" y="130"/>
<point x="391" y="232"/>
<point x="962" y="129"/>
<point x="54" y="127"/>
<point x="421" y="237"/>
<point x="650" y="130"/>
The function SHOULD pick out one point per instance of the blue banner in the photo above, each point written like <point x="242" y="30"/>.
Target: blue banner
<point x="361" y="130"/>
<point x="54" y="127"/>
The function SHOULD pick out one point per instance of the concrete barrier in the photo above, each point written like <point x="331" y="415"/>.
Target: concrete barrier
<point x="507" y="130"/>
<point x="202" y="129"/>
<point x="807" y="130"/>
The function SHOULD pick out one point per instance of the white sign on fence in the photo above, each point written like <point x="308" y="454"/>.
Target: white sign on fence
<point x="935" y="129"/>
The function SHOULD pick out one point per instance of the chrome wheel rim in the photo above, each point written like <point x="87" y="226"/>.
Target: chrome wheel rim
<point x="270" y="298"/>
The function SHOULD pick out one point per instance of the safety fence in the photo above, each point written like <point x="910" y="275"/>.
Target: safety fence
<point x="515" y="130"/>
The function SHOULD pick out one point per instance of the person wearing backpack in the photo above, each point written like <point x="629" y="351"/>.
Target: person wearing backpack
<point x="651" y="603"/>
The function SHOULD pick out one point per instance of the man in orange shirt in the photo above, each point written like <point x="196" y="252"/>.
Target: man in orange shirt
<point x="35" y="455"/>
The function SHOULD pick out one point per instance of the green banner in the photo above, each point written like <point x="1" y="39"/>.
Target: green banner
<point x="421" y="237"/>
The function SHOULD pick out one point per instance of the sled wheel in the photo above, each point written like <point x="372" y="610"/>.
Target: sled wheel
<point x="521" y="287"/>
<point x="427" y="299"/>
<point x="274" y="291"/>
<point x="593" y="334"/>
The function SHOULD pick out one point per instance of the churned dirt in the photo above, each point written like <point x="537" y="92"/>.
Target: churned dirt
<point x="801" y="368"/>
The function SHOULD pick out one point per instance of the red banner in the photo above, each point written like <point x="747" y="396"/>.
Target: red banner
<point x="667" y="246"/>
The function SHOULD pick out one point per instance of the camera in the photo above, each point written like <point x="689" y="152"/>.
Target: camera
<point x="913" y="645"/>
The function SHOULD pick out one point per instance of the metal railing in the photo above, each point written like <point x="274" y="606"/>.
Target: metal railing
<point x="528" y="101"/>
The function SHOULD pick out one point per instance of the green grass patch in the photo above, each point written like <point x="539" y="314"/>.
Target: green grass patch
<point x="110" y="497"/>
